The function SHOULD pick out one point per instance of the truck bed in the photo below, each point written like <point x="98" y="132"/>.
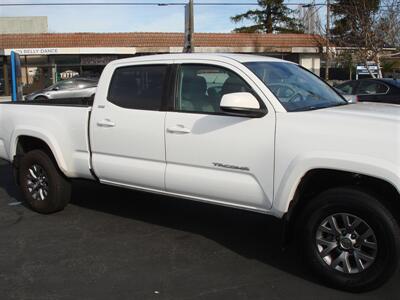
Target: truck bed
<point x="62" y="124"/>
<point x="56" y="102"/>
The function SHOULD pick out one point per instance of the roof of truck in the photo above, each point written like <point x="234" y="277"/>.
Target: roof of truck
<point x="242" y="58"/>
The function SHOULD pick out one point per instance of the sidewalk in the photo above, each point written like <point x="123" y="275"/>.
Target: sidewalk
<point x="5" y="98"/>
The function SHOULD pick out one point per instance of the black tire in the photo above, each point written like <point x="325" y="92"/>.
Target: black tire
<point x="58" y="188"/>
<point x="340" y="203"/>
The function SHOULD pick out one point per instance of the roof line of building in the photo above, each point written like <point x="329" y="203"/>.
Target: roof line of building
<point x="168" y="32"/>
<point x="238" y="41"/>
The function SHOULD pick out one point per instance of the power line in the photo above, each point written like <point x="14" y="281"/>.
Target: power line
<point x="146" y="4"/>
<point x="313" y="18"/>
<point x="9" y="4"/>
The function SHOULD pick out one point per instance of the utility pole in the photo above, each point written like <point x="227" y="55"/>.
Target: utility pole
<point x="327" y="37"/>
<point x="189" y="27"/>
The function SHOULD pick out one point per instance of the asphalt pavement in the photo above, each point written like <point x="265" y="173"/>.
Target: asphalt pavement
<point x="118" y="244"/>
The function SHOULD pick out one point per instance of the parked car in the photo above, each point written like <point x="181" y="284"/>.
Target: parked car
<point x="208" y="127"/>
<point x="70" y="88"/>
<point x="373" y="90"/>
<point x="2" y="86"/>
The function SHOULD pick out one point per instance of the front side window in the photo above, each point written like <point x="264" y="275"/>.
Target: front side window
<point x="200" y="87"/>
<point x="296" y="88"/>
<point x="138" y="87"/>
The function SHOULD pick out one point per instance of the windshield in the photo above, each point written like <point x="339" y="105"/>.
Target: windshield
<point x="49" y="88"/>
<point x="296" y="88"/>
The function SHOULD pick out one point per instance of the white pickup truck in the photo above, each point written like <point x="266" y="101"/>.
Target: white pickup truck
<point x="250" y="132"/>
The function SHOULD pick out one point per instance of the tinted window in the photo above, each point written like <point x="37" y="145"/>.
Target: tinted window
<point x="369" y="87"/>
<point x="347" y="88"/>
<point x="395" y="82"/>
<point x="138" y="87"/>
<point x="201" y="87"/>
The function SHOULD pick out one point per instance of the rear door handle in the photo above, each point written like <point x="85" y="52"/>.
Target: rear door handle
<point x="106" y="123"/>
<point x="180" y="129"/>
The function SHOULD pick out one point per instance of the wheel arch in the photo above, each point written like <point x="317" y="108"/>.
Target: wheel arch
<point x="37" y="97"/>
<point x="28" y="141"/>
<point x="316" y="181"/>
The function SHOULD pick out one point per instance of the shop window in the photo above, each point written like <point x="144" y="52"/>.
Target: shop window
<point x="38" y="78"/>
<point x="2" y="81"/>
<point x="66" y="60"/>
<point x="35" y="60"/>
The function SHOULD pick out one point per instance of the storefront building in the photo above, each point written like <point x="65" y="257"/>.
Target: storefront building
<point x="47" y="58"/>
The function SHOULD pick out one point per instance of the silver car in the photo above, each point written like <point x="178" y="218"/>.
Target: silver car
<point x="70" y="88"/>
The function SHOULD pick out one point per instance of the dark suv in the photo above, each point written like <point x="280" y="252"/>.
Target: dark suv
<point x="373" y="90"/>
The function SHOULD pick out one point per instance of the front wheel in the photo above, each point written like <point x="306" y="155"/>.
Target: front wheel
<point x="350" y="239"/>
<point x="45" y="189"/>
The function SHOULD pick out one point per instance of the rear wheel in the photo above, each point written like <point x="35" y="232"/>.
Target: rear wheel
<point x="45" y="189"/>
<point x="350" y="239"/>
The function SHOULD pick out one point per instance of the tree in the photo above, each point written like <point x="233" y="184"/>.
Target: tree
<point x="365" y="27"/>
<point x="392" y="19"/>
<point x="345" y="60"/>
<point x="350" y="18"/>
<point x="272" y="17"/>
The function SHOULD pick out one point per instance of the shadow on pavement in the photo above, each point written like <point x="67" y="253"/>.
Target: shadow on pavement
<point x="252" y="235"/>
<point x="7" y="181"/>
<point x="108" y="229"/>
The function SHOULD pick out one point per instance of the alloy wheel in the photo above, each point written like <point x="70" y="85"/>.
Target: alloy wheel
<point x="346" y="243"/>
<point x="37" y="182"/>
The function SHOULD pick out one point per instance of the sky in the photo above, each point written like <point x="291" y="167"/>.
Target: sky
<point x="132" y="18"/>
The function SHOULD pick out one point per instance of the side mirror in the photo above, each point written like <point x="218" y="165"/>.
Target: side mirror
<point x="242" y="104"/>
<point x="56" y="88"/>
<point x="351" y="98"/>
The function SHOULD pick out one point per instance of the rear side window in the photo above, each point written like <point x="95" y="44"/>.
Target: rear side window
<point x="368" y="87"/>
<point x="138" y="87"/>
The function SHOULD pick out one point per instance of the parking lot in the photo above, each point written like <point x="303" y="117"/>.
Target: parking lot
<point x="118" y="244"/>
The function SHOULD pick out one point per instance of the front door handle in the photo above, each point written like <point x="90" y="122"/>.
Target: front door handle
<point x="106" y="123"/>
<point x="180" y="129"/>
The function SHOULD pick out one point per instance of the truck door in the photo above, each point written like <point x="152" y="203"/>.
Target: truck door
<point x="213" y="156"/>
<point x="127" y="127"/>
